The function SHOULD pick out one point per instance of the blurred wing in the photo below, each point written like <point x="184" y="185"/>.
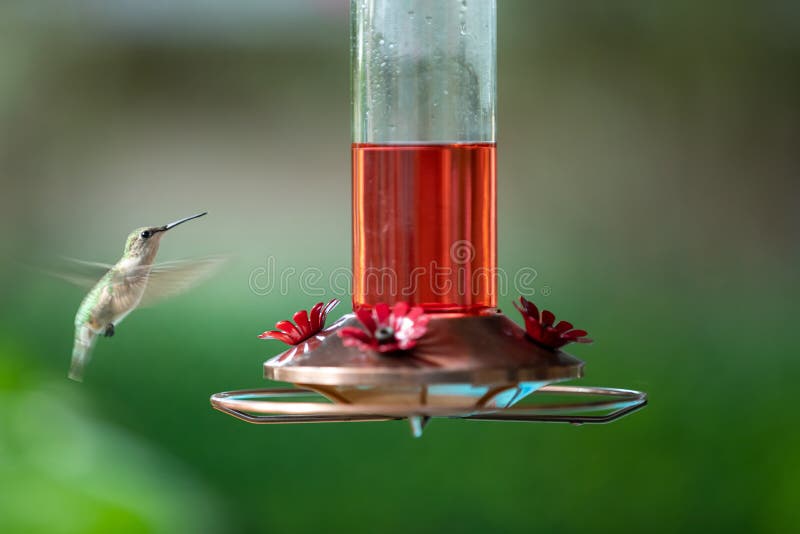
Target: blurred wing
<point x="84" y="274"/>
<point x="174" y="277"/>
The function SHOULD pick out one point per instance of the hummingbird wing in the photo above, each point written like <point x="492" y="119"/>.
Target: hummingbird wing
<point x="154" y="283"/>
<point x="171" y="278"/>
<point x="83" y="274"/>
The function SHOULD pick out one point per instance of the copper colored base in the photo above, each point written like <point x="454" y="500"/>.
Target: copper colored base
<point x="489" y="350"/>
<point x="463" y="360"/>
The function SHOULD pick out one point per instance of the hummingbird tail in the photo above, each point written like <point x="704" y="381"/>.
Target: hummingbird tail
<point x="81" y="352"/>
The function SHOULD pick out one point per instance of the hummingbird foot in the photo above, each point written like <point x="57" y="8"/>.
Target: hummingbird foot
<point x="109" y="332"/>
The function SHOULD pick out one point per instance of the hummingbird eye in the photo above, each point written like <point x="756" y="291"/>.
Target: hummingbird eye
<point x="146" y="234"/>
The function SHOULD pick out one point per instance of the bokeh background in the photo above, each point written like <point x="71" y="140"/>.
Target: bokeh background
<point x="648" y="170"/>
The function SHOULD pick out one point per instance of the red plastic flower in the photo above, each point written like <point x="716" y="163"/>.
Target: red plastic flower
<point x="387" y="330"/>
<point x="540" y="327"/>
<point x="304" y="326"/>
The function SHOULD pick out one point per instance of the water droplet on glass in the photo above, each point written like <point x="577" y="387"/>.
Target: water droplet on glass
<point x="381" y="42"/>
<point x="446" y="92"/>
<point x="428" y="19"/>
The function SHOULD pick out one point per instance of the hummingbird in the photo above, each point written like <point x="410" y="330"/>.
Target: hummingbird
<point x="133" y="281"/>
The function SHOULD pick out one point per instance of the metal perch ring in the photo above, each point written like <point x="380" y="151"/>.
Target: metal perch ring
<point x="248" y="405"/>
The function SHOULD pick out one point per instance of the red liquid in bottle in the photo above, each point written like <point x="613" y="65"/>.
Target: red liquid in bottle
<point x="424" y="226"/>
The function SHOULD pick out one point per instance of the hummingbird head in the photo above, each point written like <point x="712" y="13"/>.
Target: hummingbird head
<point x="143" y="242"/>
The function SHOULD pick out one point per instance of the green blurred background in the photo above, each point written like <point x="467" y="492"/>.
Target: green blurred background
<point x="648" y="171"/>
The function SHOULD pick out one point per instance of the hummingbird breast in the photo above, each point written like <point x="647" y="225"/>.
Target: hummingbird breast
<point x="113" y="297"/>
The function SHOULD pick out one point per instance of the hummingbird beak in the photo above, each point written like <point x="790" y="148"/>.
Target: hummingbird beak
<point x="180" y="221"/>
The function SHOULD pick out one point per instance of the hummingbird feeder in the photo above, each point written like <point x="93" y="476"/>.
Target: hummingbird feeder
<point x="425" y="339"/>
